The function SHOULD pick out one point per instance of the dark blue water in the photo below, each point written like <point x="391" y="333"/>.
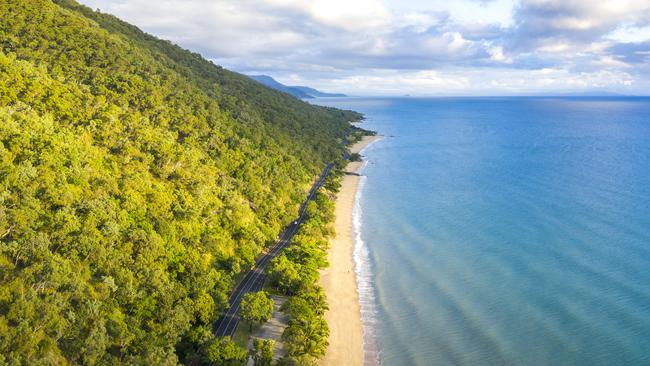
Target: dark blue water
<point x="508" y="231"/>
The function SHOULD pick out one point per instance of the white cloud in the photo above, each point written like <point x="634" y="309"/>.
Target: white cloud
<point x="550" y="17"/>
<point x="344" y="14"/>
<point x="608" y="61"/>
<point x="628" y="33"/>
<point x="389" y="44"/>
<point x="496" y="54"/>
<point x="474" y="82"/>
<point x="465" y="12"/>
<point x="350" y="15"/>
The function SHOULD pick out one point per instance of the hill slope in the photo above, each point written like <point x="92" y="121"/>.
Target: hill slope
<point x="136" y="181"/>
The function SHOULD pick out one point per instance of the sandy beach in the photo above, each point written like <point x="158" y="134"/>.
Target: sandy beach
<point x="344" y="316"/>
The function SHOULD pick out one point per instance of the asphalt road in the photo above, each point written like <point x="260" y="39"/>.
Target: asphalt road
<point x="254" y="279"/>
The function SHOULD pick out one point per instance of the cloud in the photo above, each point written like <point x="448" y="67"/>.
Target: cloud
<point x="628" y="33"/>
<point x="476" y="82"/>
<point x="634" y="55"/>
<point x="344" y="14"/>
<point x="574" y="23"/>
<point x="392" y="43"/>
<point x="607" y="61"/>
<point x="496" y="54"/>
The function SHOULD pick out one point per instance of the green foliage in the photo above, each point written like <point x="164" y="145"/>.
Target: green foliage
<point x="201" y="347"/>
<point x="355" y="157"/>
<point x="296" y="272"/>
<point x="284" y="274"/>
<point x="136" y="181"/>
<point x="306" y="338"/>
<point x="356" y="134"/>
<point x="263" y="351"/>
<point x="256" y="307"/>
<point x="333" y="181"/>
<point x="225" y="352"/>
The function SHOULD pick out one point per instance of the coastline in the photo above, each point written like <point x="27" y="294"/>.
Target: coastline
<point x="339" y="280"/>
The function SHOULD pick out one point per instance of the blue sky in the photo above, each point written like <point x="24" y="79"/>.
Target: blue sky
<point x="419" y="47"/>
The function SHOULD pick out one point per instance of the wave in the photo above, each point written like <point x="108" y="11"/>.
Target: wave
<point x="364" y="276"/>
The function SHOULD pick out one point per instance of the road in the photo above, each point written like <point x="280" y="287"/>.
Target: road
<point x="254" y="279"/>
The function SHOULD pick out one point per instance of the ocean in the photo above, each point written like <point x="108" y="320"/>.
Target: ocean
<point x="505" y="231"/>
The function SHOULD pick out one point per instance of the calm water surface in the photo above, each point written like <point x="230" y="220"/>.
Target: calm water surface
<point x="507" y="231"/>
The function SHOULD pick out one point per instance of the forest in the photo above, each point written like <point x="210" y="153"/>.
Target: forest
<point x="137" y="181"/>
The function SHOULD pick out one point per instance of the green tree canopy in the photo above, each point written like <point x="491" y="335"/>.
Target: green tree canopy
<point x="225" y="352"/>
<point x="263" y="351"/>
<point x="256" y="307"/>
<point x="284" y="274"/>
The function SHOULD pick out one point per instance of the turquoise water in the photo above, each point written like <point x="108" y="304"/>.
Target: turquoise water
<point x="506" y="231"/>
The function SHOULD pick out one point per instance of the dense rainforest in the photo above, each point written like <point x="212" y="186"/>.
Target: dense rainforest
<point x="137" y="181"/>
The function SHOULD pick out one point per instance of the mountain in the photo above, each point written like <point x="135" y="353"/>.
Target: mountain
<point x="316" y="93"/>
<point x="272" y="83"/>
<point x="302" y="92"/>
<point x="137" y="182"/>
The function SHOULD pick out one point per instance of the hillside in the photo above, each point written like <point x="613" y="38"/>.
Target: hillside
<point x="302" y="92"/>
<point x="137" y="180"/>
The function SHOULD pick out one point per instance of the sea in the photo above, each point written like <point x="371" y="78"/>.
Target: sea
<point x="504" y="230"/>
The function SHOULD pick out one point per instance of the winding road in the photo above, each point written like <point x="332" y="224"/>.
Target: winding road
<point x="254" y="279"/>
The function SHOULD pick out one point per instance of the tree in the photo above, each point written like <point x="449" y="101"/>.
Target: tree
<point x="256" y="307"/>
<point x="223" y="351"/>
<point x="306" y="336"/>
<point x="263" y="351"/>
<point x="284" y="274"/>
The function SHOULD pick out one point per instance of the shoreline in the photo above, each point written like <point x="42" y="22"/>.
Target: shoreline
<point x="346" y="346"/>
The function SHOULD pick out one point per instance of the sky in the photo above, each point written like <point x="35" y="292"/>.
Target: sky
<point x="416" y="47"/>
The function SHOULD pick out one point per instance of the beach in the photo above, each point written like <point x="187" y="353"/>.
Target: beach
<point x="338" y="280"/>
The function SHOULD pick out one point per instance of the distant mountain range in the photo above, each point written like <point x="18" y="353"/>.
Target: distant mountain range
<point x="302" y="92"/>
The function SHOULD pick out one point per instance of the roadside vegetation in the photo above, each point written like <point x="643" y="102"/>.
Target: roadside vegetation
<point x="295" y="273"/>
<point x="357" y="134"/>
<point x="255" y="307"/>
<point x="262" y="352"/>
<point x="355" y="157"/>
